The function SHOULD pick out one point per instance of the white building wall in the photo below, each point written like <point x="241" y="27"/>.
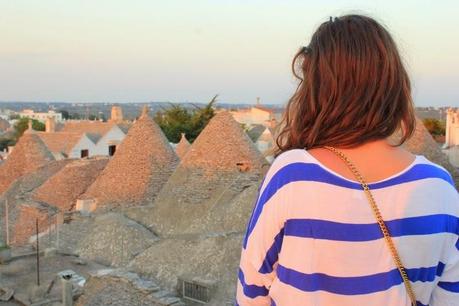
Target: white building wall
<point x="263" y="146"/>
<point x="455" y="135"/>
<point x="260" y="116"/>
<point x="41" y="116"/>
<point x="243" y="117"/>
<point x="253" y="116"/>
<point x="84" y="144"/>
<point x="114" y="136"/>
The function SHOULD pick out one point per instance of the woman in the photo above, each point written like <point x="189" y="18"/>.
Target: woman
<point x="316" y="236"/>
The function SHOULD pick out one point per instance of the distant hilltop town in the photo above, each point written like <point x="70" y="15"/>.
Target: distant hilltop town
<point x="67" y="137"/>
<point x="146" y="210"/>
<point x="95" y="129"/>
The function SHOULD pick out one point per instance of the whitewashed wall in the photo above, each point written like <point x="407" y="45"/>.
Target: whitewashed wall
<point x="114" y="136"/>
<point x="84" y="144"/>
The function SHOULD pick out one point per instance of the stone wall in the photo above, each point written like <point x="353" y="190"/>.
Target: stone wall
<point x="25" y="225"/>
<point x="213" y="260"/>
<point x="120" y="288"/>
<point x="20" y="192"/>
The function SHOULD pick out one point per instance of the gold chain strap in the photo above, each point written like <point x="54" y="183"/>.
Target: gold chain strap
<point x="379" y="219"/>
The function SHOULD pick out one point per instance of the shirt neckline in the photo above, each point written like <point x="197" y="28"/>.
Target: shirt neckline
<point x="395" y="175"/>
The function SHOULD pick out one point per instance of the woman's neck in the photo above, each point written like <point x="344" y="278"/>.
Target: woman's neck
<point x="376" y="160"/>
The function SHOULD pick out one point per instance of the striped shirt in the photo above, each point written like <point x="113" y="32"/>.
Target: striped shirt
<point x="312" y="238"/>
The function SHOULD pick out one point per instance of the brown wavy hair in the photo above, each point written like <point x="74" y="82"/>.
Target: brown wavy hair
<point x="353" y="88"/>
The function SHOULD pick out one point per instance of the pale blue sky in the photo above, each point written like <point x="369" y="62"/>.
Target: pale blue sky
<point x="121" y="51"/>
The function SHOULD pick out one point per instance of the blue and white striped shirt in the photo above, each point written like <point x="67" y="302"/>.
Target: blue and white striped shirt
<point x="313" y="239"/>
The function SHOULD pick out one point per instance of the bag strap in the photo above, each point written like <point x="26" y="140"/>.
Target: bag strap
<point x="379" y="219"/>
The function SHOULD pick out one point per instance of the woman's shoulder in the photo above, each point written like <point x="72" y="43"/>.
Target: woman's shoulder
<point x="293" y="156"/>
<point x="290" y="164"/>
<point x="422" y="171"/>
<point x="427" y="166"/>
<point x="288" y="159"/>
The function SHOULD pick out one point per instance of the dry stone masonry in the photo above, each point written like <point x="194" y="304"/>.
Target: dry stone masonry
<point x="221" y="162"/>
<point x="63" y="189"/>
<point x="136" y="173"/>
<point x="182" y="147"/>
<point x="115" y="240"/>
<point x="29" y="154"/>
<point x="21" y="190"/>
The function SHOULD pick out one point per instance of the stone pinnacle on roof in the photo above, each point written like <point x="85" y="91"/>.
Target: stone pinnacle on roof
<point x="223" y="145"/>
<point x="141" y="165"/>
<point x="145" y="111"/>
<point x="29" y="127"/>
<point x="182" y="147"/>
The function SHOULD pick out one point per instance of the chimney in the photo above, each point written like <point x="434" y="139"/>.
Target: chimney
<point x="50" y="125"/>
<point x="117" y="114"/>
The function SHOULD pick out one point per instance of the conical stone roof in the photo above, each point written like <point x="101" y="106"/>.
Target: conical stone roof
<point x="29" y="154"/>
<point x="182" y="147"/>
<point x="141" y="165"/>
<point x="63" y="189"/>
<point x="220" y="163"/>
<point x="224" y="146"/>
<point x="421" y="142"/>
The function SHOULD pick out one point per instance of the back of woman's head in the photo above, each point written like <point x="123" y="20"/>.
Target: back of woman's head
<point x="352" y="88"/>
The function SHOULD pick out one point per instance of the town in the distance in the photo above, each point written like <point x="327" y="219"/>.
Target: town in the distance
<point x="143" y="203"/>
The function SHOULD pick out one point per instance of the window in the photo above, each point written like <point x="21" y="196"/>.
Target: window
<point x="195" y="292"/>
<point x="84" y="153"/>
<point x="111" y="150"/>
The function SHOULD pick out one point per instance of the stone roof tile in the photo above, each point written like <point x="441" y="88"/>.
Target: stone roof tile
<point x="60" y="142"/>
<point x="141" y="165"/>
<point x="63" y="189"/>
<point x="223" y="145"/>
<point x="29" y="154"/>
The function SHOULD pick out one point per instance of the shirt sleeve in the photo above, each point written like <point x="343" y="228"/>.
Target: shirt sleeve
<point x="262" y="242"/>
<point x="447" y="291"/>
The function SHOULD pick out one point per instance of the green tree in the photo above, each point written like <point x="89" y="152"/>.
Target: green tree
<point x="6" y="141"/>
<point x="177" y="119"/>
<point x="23" y="124"/>
<point x="174" y="121"/>
<point x="75" y="116"/>
<point x="65" y="114"/>
<point x="201" y="117"/>
<point x="435" y="126"/>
